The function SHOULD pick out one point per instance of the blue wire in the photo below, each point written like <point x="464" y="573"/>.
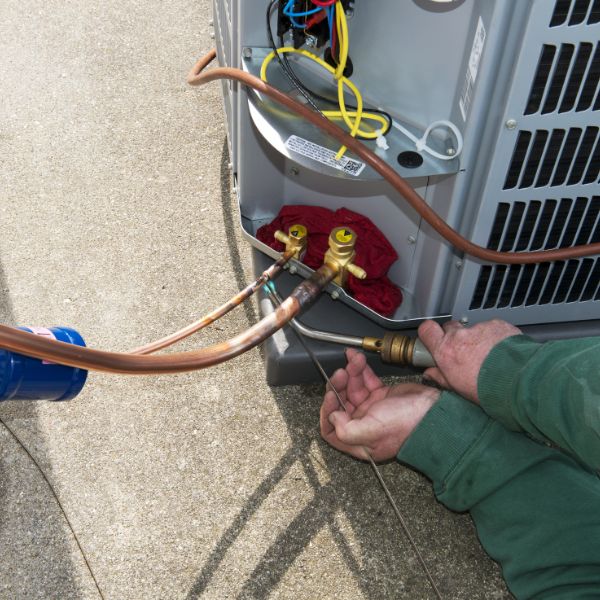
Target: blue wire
<point x="330" y="18"/>
<point x="306" y="13"/>
<point x="296" y="24"/>
<point x="286" y="11"/>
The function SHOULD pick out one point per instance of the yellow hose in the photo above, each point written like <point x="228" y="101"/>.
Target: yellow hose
<point x="352" y="119"/>
<point x="354" y="126"/>
<point x="342" y="29"/>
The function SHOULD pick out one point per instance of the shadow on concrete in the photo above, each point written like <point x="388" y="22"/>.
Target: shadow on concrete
<point x="320" y="512"/>
<point x="37" y="546"/>
<point x="379" y="558"/>
<point x="6" y="308"/>
<point x="316" y="515"/>
<point x="231" y="229"/>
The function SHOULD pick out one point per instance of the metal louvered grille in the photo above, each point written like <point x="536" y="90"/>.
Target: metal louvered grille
<point x="566" y="79"/>
<point x="557" y="157"/>
<point x="575" y="12"/>
<point x="542" y="188"/>
<point x="540" y="225"/>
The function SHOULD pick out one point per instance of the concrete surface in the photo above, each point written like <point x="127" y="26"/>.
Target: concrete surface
<point x="117" y="218"/>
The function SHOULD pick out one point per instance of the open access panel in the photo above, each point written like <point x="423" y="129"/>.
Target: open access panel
<point x="520" y="83"/>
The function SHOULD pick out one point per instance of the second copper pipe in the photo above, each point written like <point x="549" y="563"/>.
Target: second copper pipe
<point x="134" y="364"/>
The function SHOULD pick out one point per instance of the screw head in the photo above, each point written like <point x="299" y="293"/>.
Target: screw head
<point x="295" y="171"/>
<point x="335" y="295"/>
<point x="450" y="152"/>
<point x="464" y="321"/>
<point x="293" y="269"/>
<point x="247" y="52"/>
<point x="459" y="264"/>
<point x="411" y="239"/>
<point x="311" y="41"/>
<point x="511" y="124"/>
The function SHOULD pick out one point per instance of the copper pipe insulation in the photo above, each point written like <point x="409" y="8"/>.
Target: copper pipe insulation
<point x="134" y="364"/>
<point x="198" y="76"/>
<point x="217" y="313"/>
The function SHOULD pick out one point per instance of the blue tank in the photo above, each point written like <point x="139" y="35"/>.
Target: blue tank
<point x="25" y="378"/>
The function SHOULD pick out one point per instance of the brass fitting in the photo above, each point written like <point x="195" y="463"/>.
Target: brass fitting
<point x="340" y="255"/>
<point x="372" y="344"/>
<point x="295" y="240"/>
<point x="398" y="349"/>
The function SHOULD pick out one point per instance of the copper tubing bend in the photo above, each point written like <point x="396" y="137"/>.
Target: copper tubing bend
<point x="198" y="76"/>
<point x="134" y="364"/>
<point x="222" y="310"/>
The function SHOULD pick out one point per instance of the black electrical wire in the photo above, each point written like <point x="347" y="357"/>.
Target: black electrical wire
<point x="308" y="93"/>
<point x="58" y="502"/>
<point x="285" y="66"/>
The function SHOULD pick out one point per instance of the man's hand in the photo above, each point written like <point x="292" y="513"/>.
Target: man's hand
<point x="377" y="418"/>
<point x="459" y="352"/>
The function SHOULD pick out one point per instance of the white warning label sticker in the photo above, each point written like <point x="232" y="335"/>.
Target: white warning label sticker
<point x="472" y="70"/>
<point x="324" y="155"/>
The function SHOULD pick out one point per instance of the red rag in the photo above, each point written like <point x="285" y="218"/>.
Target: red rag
<point x="373" y="252"/>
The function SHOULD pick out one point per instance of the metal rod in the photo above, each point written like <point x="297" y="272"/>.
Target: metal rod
<point x="275" y="300"/>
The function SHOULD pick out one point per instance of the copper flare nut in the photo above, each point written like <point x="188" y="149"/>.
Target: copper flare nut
<point x="295" y="240"/>
<point x="341" y="254"/>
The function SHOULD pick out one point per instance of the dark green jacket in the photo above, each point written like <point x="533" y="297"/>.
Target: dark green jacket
<point x="536" y="507"/>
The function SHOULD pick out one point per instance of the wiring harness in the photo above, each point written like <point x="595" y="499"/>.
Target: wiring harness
<point x="353" y="116"/>
<point x="336" y="61"/>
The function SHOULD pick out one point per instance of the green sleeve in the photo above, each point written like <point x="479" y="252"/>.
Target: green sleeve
<point x="535" y="508"/>
<point x="551" y="391"/>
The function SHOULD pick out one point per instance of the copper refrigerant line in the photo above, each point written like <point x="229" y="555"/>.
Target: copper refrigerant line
<point x="301" y="298"/>
<point x="394" y="348"/>
<point x="199" y="76"/>
<point x="211" y="317"/>
<point x="139" y="362"/>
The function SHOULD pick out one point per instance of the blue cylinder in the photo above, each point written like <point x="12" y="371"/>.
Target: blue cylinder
<point x="25" y="378"/>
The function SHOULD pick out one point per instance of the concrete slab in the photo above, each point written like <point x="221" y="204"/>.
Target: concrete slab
<point x="117" y="218"/>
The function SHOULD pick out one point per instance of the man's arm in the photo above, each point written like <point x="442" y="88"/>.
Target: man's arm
<point x="551" y="391"/>
<point x="535" y="508"/>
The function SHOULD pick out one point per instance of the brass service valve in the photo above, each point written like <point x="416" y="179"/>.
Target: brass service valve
<point x="295" y="240"/>
<point x="340" y="255"/>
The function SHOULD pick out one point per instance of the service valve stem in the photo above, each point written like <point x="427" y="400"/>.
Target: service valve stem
<point x="341" y="254"/>
<point x="295" y="240"/>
